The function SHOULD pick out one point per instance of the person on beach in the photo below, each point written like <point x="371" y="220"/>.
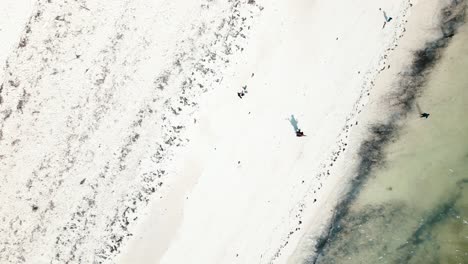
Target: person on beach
<point x="243" y="92"/>
<point x="296" y="128"/>
<point x="299" y="133"/>
<point x="387" y="18"/>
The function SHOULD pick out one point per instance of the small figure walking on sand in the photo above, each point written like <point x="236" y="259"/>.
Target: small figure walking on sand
<point x="387" y="18"/>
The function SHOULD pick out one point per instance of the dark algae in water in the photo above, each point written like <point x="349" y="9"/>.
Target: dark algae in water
<point x="409" y="200"/>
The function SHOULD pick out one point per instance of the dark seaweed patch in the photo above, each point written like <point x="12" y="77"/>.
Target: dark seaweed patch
<point x="352" y="232"/>
<point x="371" y="151"/>
<point x="422" y="242"/>
<point x="379" y="220"/>
<point x="441" y="213"/>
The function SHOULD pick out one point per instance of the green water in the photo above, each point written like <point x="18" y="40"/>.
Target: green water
<point x="415" y="208"/>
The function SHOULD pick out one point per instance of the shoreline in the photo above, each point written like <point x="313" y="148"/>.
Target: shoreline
<point x="282" y="253"/>
<point x="123" y="138"/>
<point x="414" y="77"/>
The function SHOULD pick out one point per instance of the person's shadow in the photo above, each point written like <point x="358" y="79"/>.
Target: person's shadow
<point x="387" y="18"/>
<point x="294" y="122"/>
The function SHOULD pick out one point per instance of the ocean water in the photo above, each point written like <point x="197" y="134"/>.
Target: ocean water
<point x="414" y="208"/>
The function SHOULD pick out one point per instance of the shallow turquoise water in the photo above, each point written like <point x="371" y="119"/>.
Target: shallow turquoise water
<point x="414" y="209"/>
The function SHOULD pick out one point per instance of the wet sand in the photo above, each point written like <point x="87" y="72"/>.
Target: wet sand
<point x="413" y="206"/>
<point x="122" y="136"/>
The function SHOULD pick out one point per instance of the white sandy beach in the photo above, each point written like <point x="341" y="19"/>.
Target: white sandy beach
<point x="123" y="139"/>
